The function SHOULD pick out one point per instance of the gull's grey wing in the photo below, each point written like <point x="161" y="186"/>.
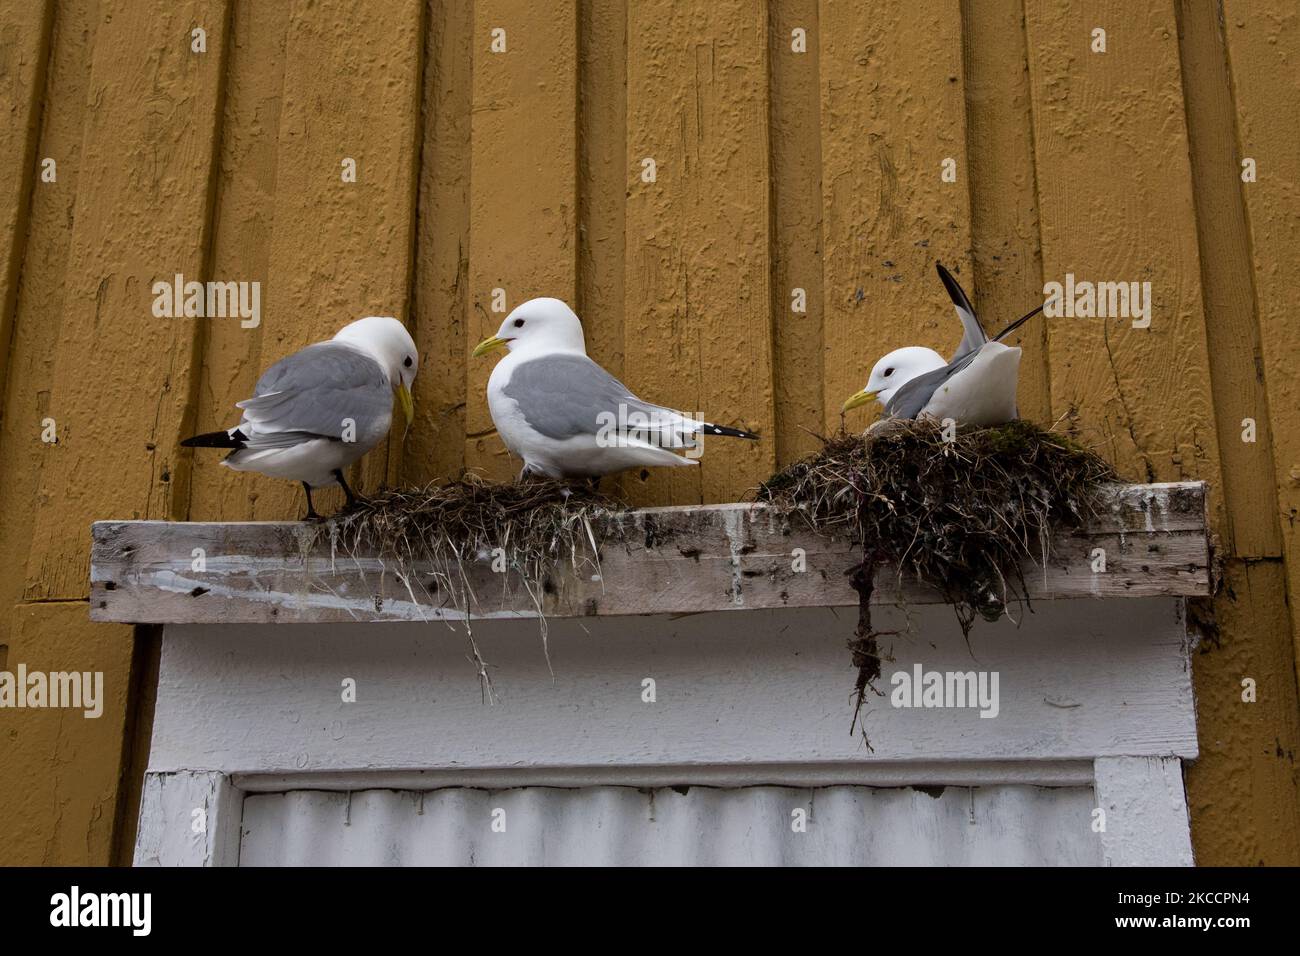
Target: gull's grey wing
<point x="972" y="332"/>
<point x="312" y="393"/>
<point x="915" y="394"/>
<point x="563" y="396"/>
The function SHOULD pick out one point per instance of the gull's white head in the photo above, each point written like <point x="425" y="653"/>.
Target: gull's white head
<point x="894" y="371"/>
<point x="542" y="325"/>
<point x="386" y="341"/>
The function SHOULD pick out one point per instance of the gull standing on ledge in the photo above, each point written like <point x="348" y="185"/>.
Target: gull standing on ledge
<point x="317" y="411"/>
<point x="564" y="415"/>
<point x="976" y="387"/>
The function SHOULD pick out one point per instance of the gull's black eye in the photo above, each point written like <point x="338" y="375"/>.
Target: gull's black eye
<point x="888" y="372"/>
<point x="408" y="362"/>
<point x="519" y="323"/>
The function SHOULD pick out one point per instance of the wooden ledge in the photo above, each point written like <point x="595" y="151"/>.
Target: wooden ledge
<point x="653" y="561"/>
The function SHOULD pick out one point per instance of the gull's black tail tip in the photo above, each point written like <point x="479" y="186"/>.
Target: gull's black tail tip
<point x="723" y="430"/>
<point x="216" y="440"/>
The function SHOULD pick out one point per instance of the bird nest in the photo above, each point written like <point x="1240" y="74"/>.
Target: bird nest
<point x="960" y="512"/>
<point x="532" y="527"/>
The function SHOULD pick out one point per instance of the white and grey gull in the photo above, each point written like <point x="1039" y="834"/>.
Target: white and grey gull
<point x="568" y="418"/>
<point x="315" y="412"/>
<point x="977" y="386"/>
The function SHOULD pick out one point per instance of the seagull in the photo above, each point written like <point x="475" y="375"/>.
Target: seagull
<point x="977" y="386"/>
<point x="567" y="417"/>
<point x="315" y="412"/>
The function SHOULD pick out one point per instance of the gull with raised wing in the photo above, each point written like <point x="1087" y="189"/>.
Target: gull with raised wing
<point x="977" y="386"/>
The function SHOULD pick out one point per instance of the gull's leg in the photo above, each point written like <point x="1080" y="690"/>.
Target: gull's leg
<point x="311" y="511"/>
<point x="338" y="475"/>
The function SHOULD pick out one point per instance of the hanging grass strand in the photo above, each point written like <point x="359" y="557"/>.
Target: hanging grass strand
<point x="541" y="526"/>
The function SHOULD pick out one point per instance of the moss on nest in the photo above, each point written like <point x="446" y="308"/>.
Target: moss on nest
<point x="959" y="515"/>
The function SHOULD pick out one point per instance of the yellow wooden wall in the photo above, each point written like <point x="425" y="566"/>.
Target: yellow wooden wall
<point x="521" y="170"/>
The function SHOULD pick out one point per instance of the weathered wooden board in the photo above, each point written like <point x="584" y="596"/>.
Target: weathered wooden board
<point x="652" y="561"/>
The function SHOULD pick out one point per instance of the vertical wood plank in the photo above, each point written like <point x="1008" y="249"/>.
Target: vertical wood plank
<point x="1146" y="811"/>
<point x="602" y="184"/>
<point x="523" y="182"/>
<point x="602" y="193"/>
<point x="233" y="359"/>
<point x="1263" y="42"/>
<point x="796" y="171"/>
<point x="435" y="447"/>
<point x="698" y="334"/>
<point x="61" y="785"/>
<point x="1250" y="528"/>
<point x="1244" y="791"/>
<point x="1243" y="788"/>
<point x="25" y="30"/>
<point x="167" y="834"/>
<point x="893" y="109"/>
<point x="1116" y="204"/>
<point x="1008" y="264"/>
<point x="32" y="343"/>
<point x="142" y="212"/>
<point x="342" y="250"/>
<point x="60" y="775"/>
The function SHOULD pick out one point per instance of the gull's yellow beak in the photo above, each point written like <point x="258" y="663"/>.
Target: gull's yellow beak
<point x="859" y="398"/>
<point x="489" y="345"/>
<point x="408" y="403"/>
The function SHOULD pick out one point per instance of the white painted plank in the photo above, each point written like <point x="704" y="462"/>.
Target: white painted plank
<point x="684" y="560"/>
<point x="188" y="818"/>
<point x="1146" y="811"/>
<point x="1080" y="679"/>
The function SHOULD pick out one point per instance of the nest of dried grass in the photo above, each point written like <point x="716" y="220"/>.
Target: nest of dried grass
<point x="538" y="524"/>
<point x="960" y="515"/>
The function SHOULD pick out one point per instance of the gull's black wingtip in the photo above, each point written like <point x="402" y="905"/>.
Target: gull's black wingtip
<point x="711" y="429"/>
<point x="216" y="440"/>
<point x="953" y="287"/>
